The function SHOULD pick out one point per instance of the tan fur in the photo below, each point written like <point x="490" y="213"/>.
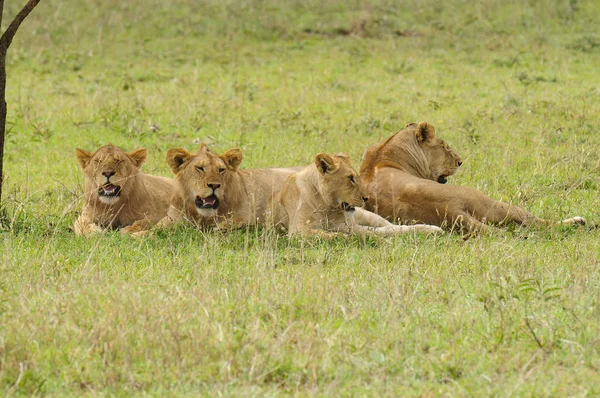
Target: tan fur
<point x="402" y="175"/>
<point x="143" y="199"/>
<point x="244" y="195"/>
<point x="326" y="198"/>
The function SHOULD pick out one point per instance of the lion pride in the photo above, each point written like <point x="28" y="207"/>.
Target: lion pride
<point x="117" y="195"/>
<point x="405" y="177"/>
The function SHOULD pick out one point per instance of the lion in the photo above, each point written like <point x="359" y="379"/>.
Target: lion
<point x="405" y="177"/>
<point x="325" y="199"/>
<point x="117" y="195"/>
<point x="212" y="190"/>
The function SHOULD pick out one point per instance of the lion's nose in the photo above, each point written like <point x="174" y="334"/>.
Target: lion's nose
<point x="214" y="186"/>
<point x="365" y="199"/>
<point x="108" y="173"/>
<point x="459" y="163"/>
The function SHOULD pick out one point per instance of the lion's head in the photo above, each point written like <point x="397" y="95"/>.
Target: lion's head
<point x="415" y="149"/>
<point x="443" y="161"/>
<point x="109" y="171"/>
<point x="202" y="177"/>
<point x="339" y="184"/>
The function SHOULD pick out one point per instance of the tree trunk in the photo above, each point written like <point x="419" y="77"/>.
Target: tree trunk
<point x="5" y="41"/>
<point x="2" y="109"/>
<point x="2" y="116"/>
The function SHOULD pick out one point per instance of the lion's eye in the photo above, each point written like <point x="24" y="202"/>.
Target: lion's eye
<point x="352" y="180"/>
<point x="221" y="170"/>
<point x="200" y="169"/>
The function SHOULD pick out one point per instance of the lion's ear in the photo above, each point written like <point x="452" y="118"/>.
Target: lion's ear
<point x="138" y="156"/>
<point x="425" y="132"/>
<point x="326" y="163"/>
<point x="177" y="158"/>
<point x="83" y="157"/>
<point x="233" y="158"/>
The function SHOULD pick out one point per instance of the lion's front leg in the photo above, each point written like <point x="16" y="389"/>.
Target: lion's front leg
<point x="84" y="225"/>
<point x="304" y="222"/>
<point x="393" y="230"/>
<point x="138" y="226"/>
<point x="369" y="219"/>
<point x="173" y="216"/>
<point x="368" y="223"/>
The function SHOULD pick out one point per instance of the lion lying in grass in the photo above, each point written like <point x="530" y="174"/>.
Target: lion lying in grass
<point x="117" y="195"/>
<point x="405" y="176"/>
<point x="325" y="198"/>
<point x="211" y="189"/>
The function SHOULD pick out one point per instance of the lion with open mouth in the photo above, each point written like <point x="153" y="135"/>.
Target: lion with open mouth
<point x="211" y="189"/>
<point x="117" y="194"/>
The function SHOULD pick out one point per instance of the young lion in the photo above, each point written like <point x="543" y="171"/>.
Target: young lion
<point x="117" y="195"/>
<point x="211" y="189"/>
<point x="405" y="176"/>
<point x="325" y="198"/>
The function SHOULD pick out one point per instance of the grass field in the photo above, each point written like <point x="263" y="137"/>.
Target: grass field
<point x="513" y="86"/>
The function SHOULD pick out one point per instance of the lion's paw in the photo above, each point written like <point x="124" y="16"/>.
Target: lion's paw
<point x="428" y="229"/>
<point x="574" y="221"/>
<point x="93" y="229"/>
<point x="142" y="234"/>
<point x="131" y="229"/>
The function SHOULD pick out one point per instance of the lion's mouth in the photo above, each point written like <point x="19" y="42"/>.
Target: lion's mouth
<point x="210" y="202"/>
<point x="347" y="207"/>
<point x="109" y="190"/>
<point x="442" y="179"/>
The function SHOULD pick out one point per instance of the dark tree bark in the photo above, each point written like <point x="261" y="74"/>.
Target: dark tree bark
<point x="5" y="41"/>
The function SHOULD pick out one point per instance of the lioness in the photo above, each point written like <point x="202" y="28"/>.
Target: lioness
<point x="211" y="188"/>
<point x="325" y="198"/>
<point x="405" y="176"/>
<point x="117" y="195"/>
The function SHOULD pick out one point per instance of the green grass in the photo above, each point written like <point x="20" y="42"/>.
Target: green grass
<point x="512" y="86"/>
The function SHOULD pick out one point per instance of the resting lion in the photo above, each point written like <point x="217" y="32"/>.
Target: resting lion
<point x="117" y="195"/>
<point x="405" y="176"/>
<point x="325" y="199"/>
<point x="211" y="189"/>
